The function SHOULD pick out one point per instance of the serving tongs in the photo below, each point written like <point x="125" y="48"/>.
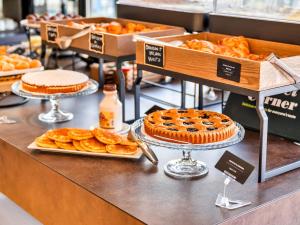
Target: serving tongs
<point x="274" y="60"/>
<point x="64" y="42"/>
<point x="148" y="152"/>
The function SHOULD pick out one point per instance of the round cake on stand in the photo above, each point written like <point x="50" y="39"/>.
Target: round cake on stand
<point x="187" y="131"/>
<point x="54" y="85"/>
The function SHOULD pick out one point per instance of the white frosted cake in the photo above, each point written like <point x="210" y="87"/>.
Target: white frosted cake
<point x="54" y="81"/>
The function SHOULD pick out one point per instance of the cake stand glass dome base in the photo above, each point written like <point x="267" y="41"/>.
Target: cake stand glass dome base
<point x="55" y="115"/>
<point x="186" y="167"/>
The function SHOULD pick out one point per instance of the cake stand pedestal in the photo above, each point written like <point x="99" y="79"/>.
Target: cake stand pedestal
<point x="186" y="167"/>
<point x="55" y="115"/>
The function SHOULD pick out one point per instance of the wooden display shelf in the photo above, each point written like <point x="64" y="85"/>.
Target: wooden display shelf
<point x="114" y="45"/>
<point x="254" y="75"/>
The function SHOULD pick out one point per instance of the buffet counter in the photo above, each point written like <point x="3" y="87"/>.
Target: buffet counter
<point x="63" y="189"/>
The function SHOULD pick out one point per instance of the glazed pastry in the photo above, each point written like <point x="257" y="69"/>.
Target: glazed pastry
<point x="17" y="62"/>
<point x="80" y="134"/>
<point x="92" y="145"/>
<point x="120" y="149"/>
<point x="64" y="145"/>
<point x="232" y="46"/>
<point x="59" y="135"/>
<point x="78" y="139"/>
<point x="45" y="142"/>
<point x="106" y="137"/>
<point x="190" y="126"/>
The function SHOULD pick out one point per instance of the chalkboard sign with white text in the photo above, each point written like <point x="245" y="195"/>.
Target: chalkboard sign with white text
<point x="234" y="167"/>
<point x="96" y="42"/>
<point x="229" y="70"/>
<point x="52" y="33"/>
<point x="154" y="55"/>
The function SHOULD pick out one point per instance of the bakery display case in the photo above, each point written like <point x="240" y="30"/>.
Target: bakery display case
<point x="268" y="20"/>
<point x="192" y="15"/>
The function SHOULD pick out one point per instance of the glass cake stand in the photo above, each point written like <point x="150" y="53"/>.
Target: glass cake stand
<point x="55" y="115"/>
<point x="186" y="167"/>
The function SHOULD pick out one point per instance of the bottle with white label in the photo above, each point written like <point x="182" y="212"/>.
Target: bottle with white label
<point x="110" y="109"/>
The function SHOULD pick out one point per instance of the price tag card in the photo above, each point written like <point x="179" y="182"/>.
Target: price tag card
<point x="153" y="109"/>
<point x="229" y="70"/>
<point x="52" y="33"/>
<point x="154" y="55"/>
<point x="234" y="167"/>
<point x="96" y="42"/>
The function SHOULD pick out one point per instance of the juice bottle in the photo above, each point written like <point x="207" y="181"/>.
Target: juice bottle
<point x="110" y="109"/>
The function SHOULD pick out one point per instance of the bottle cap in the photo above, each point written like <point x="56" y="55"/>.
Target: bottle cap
<point x="110" y="87"/>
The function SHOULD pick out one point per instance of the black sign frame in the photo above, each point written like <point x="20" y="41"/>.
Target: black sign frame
<point x="102" y="42"/>
<point x="54" y="26"/>
<point x="234" y="167"/>
<point x="229" y="70"/>
<point x="162" y="63"/>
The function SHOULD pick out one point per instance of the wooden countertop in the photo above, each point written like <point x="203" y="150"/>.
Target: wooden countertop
<point x="62" y="189"/>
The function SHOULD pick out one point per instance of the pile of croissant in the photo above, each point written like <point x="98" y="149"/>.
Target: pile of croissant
<point x="231" y="46"/>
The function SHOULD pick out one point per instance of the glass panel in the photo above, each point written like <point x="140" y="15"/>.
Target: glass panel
<point x="178" y="5"/>
<point x="54" y="6"/>
<point x="105" y="8"/>
<point x="273" y="9"/>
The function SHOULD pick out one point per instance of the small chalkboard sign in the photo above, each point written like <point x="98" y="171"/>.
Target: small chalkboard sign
<point x="154" y="55"/>
<point x="153" y="109"/>
<point x="229" y="70"/>
<point x="52" y="33"/>
<point x="234" y="167"/>
<point x="96" y="42"/>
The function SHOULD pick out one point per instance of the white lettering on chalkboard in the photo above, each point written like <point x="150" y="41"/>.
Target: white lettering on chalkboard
<point x="154" y="55"/>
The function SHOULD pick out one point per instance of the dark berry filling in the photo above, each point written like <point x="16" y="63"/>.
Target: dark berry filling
<point x="225" y="120"/>
<point x="172" y="129"/>
<point x="182" y="111"/>
<point x="190" y="129"/>
<point x="205" y="116"/>
<point x="188" y="123"/>
<point x="151" y="122"/>
<point x="168" y="124"/>
<point x="211" y="128"/>
<point x="166" y="118"/>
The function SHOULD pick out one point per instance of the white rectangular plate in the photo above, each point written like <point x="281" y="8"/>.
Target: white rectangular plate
<point x="17" y="72"/>
<point x="33" y="146"/>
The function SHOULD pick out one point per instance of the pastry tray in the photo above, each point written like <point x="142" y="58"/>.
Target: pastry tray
<point x="112" y="45"/>
<point x="16" y="72"/>
<point x="245" y="73"/>
<point x="137" y="155"/>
